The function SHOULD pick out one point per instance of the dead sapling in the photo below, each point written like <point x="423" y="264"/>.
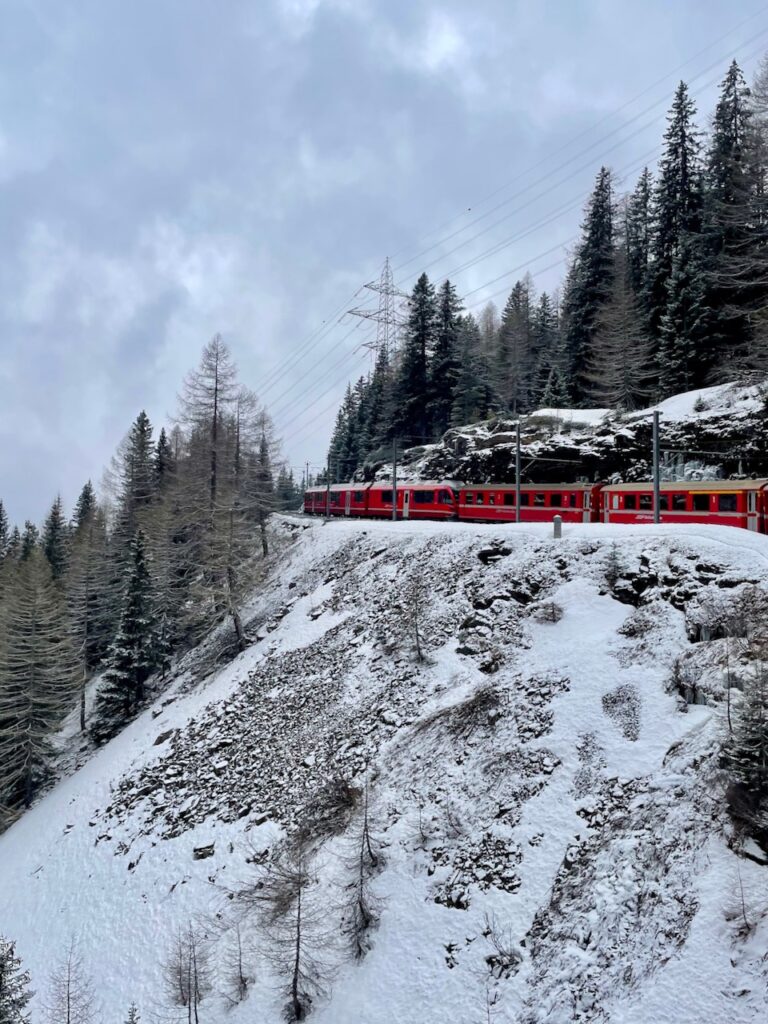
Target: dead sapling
<point x="188" y="972"/>
<point x="292" y="924"/>
<point x="237" y="959"/>
<point x="70" y="998"/>
<point x="362" y="907"/>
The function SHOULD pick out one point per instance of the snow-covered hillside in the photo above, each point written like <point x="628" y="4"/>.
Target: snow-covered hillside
<point x="549" y="811"/>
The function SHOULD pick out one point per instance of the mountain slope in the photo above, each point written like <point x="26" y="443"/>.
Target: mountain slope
<point x="548" y="811"/>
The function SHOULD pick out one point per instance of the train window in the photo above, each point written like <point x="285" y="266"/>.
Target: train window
<point x="480" y="498"/>
<point x="679" y="503"/>
<point x="614" y="501"/>
<point x="538" y="498"/>
<point x="358" y="495"/>
<point x="386" y="497"/>
<point x="726" y="502"/>
<point x="335" y="499"/>
<point x="509" y="497"/>
<point x="701" y="503"/>
<point x="423" y="497"/>
<point x="630" y="501"/>
<point x="469" y="498"/>
<point x="525" y="499"/>
<point x="556" y="499"/>
<point x="664" y="503"/>
<point x="491" y="499"/>
<point x="646" y="502"/>
<point x="445" y="498"/>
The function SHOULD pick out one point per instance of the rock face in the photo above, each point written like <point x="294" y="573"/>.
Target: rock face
<point x="718" y="431"/>
<point x="534" y="727"/>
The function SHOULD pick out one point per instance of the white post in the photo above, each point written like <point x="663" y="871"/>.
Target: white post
<point x="557" y="522"/>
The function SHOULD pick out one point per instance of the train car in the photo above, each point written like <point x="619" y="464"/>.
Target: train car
<point x="423" y="500"/>
<point x="742" y="503"/>
<point x="345" y="500"/>
<point x="539" y="503"/>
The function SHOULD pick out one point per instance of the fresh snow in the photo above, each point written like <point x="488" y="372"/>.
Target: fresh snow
<point x="535" y="776"/>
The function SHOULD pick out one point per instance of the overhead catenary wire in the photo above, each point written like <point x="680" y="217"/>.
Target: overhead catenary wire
<point x="312" y="340"/>
<point x="504" y="243"/>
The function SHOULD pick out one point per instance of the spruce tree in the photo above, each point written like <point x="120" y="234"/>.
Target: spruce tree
<point x="133" y="1015"/>
<point x="378" y="403"/>
<point x="684" y="328"/>
<point x="410" y="423"/>
<point x="588" y="285"/>
<point x="84" y="505"/>
<point x="38" y="678"/>
<point x="548" y="348"/>
<point x="515" y="356"/>
<point x="132" y="656"/>
<point x="163" y="463"/>
<point x="472" y="395"/>
<point x="746" y="753"/>
<point x="5" y="536"/>
<point x="15" y="544"/>
<point x="638" y="227"/>
<point x="733" y="211"/>
<point x="443" y="363"/>
<point x="677" y="212"/>
<point x="55" y="539"/>
<point x="30" y="540"/>
<point x="15" y="992"/>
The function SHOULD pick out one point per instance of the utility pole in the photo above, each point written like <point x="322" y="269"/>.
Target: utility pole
<point x="517" y="472"/>
<point x="394" y="481"/>
<point x="306" y="475"/>
<point x="656" y="470"/>
<point x="387" y="316"/>
<point x="328" y="491"/>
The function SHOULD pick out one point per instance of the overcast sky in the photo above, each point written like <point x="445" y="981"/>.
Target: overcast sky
<point x="174" y="168"/>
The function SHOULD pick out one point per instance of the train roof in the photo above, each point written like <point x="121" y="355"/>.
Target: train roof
<point x="386" y="485"/>
<point x="531" y="487"/>
<point x="692" y="485"/>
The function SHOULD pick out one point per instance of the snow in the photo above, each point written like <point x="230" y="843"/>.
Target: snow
<point x="534" y="776"/>
<point x="571" y="417"/>
<point x="734" y="399"/>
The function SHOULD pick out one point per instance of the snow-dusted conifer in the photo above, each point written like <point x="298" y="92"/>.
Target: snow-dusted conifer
<point x="4" y="531"/>
<point x="15" y="992"/>
<point x="30" y="539"/>
<point x="38" y="672"/>
<point x="133" y="1015"/>
<point x="132" y="655"/>
<point x="55" y="539"/>
<point x="746" y="753"/>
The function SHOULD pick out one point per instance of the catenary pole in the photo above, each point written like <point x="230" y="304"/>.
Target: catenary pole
<point x="656" y="470"/>
<point x="517" y="472"/>
<point x="394" y="481"/>
<point x="328" y="491"/>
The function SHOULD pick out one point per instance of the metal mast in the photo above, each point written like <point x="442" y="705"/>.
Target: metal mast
<point x="388" y="317"/>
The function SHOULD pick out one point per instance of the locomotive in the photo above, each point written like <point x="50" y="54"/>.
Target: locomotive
<point x="741" y="503"/>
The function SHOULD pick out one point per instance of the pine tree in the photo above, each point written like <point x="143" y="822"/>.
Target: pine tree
<point x="472" y="395"/>
<point x="163" y="463"/>
<point x="734" y="224"/>
<point x="548" y="347"/>
<point x="410" y="417"/>
<point x="515" y="356"/>
<point x="588" y="285"/>
<point x="746" y="754"/>
<point x="15" y="993"/>
<point x="638" y="227"/>
<point x="684" y="327"/>
<point x="30" y="539"/>
<point x="89" y="592"/>
<point x="5" y="536"/>
<point x="38" y="673"/>
<point x="133" y="653"/>
<point x="55" y="539"/>
<point x="677" y="208"/>
<point x="85" y="504"/>
<point x="15" y="544"/>
<point x="443" y="363"/>
<point x="378" y="407"/>
<point x="133" y="1015"/>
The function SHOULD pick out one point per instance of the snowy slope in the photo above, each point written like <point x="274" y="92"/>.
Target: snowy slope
<point x="549" y="809"/>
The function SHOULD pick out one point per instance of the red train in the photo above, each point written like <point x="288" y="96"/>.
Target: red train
<point x="742" y="503"/>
